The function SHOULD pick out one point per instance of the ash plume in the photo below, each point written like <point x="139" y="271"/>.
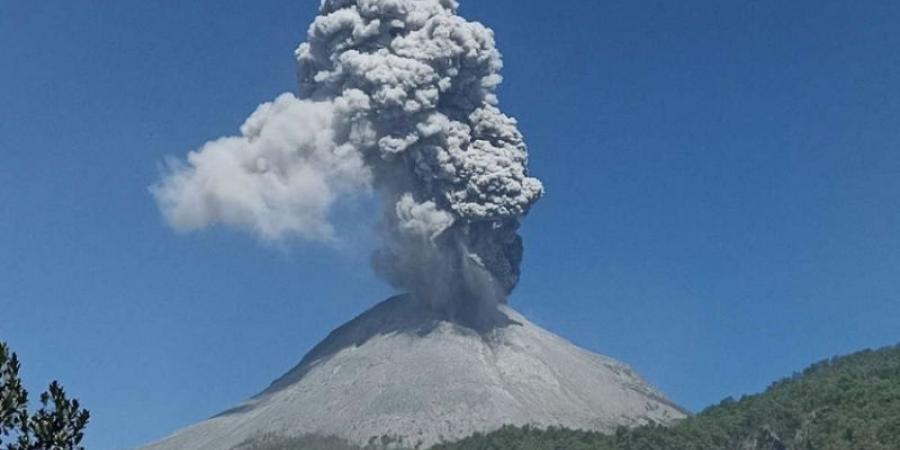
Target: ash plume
<point x="396" y="97"/>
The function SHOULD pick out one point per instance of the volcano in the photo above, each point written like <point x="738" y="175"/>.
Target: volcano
<point x="404" y="371"/>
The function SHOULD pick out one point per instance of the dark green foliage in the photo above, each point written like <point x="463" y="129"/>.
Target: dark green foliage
<point x="312" y="442"/>
<point x="850" y="403"/>
<point x="13" y="397"/>
<point x="58" y="425"/>
<point x="60" y="422"/>
<point x="306" y="442"/>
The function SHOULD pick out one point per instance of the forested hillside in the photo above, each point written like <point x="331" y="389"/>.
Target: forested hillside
<point x="846" y="403"/>
<point x="850" y="403"/>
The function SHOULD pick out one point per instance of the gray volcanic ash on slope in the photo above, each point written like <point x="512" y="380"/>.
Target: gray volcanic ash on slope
<point x="396" y="96"/>
<point x="401" y="370"/>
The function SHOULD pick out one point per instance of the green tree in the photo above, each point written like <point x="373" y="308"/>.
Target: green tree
<point x="13" y="397"/>
<point x="58" y="425"/>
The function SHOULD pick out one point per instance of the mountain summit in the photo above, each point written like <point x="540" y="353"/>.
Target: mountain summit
<point x="403" y="371"/>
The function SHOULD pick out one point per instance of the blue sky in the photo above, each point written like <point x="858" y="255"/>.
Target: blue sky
<point x="723" y="195"/>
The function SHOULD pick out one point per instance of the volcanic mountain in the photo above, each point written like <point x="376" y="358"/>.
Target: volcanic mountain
<point x="401" y="370"/>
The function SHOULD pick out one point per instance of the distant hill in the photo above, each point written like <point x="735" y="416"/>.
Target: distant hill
<point x="847" y="403"/>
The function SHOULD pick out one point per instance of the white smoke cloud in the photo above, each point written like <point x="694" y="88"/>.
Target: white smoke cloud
<point x="397" y="96"/>
<point x="277" y="180"/>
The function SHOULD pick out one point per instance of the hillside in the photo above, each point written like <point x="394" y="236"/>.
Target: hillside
<point x="406" y="371"/>
<point x="848" y="403"/>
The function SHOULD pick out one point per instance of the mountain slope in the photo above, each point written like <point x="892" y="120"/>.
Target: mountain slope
<point x="399" y="370"/>
<point x="849" y="403"/>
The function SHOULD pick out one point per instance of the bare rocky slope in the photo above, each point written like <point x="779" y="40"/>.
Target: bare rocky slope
<point x="400" y="370"/>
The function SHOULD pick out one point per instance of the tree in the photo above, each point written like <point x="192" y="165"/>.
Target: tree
<point x="58" y="425"/>
<point x="13" y="397"/>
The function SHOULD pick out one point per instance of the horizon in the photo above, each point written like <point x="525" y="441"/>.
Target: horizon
<point x="721" y="207"/>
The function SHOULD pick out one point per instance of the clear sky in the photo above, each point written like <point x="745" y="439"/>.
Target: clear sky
<point x="722" y="209"/>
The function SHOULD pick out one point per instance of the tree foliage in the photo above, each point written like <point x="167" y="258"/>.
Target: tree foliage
<point x="13" y="396"/>
<point x="313" y="442"/>
<point x="57" y="425"/>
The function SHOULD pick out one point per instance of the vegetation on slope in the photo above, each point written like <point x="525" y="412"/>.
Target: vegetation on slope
<point x="312" y="442"/>
<point x="850" y="403"/>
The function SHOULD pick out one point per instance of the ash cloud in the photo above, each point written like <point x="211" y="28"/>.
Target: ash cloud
<point x="398" y="97"/>
<point x="278" y="179"/>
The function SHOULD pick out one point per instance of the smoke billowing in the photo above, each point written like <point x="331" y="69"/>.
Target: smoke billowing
<point x="395" y="96"/>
